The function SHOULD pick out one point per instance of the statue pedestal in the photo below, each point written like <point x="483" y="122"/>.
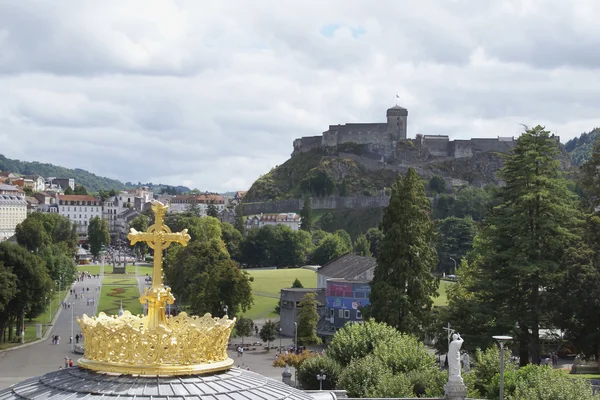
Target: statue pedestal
<point x="455" y="389"/>
<point x="286" y="376"/>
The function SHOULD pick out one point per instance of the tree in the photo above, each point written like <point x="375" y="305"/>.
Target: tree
<point x="239" y="219"/>
<point x="80" y="190"/>
<point x="31" y="233"/>
<point x="33" y="285"/>
<point x="437" y="184"/>
<point x="297" y="284"/>
<point x="311" y="367"/>
<point x="589" y="179"/>
<point x="307" y="320"/>
<point x="8" y="288"/>
<point x="269" y="332"/>
<point x="362" y="247"/>
<point x="42" y="229"/>
<point x="69" y="191"/>
<point x="374" y="236"/>
<point x="193" y="208"/>
<point x="403" y="285"/>
<point x="232" y="238"/>
<point x="140" y="224"/>
<point x="244" y="328"/>
<point x="454" y="240"/>
<point x="332" y="247"/>
<point x="212" y="211"/>
<point x="98" y="235"/>
<point x="306" y="214"/>
<point x="518" y="260"/>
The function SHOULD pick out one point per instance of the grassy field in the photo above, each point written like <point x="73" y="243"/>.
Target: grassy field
<point x="267" y="285"/>
<point x="117" y="289"/>
<point x="442" y="299"/>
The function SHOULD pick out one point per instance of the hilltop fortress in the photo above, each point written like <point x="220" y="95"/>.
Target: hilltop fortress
<point x="388" y="140"/>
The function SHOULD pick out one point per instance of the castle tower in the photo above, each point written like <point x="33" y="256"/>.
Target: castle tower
<point x="396" y="121"/>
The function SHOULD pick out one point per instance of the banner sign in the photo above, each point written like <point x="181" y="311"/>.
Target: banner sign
<point x="346" y="303"/>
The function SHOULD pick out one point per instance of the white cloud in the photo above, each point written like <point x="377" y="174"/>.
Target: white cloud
<point x="212" y="94"/>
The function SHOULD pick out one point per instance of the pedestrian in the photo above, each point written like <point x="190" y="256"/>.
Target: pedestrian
<point x="70" y="339"/>
<point x="241" y="351"/>
<point x="57" y="339"/>
<point x="66" y="362"/>
<point x="70" y="363"/>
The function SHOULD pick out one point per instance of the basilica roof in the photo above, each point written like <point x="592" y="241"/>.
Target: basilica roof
<point x="78" y="383"/>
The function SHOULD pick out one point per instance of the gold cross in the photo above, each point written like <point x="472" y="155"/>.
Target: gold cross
<point x="158" y="237"/>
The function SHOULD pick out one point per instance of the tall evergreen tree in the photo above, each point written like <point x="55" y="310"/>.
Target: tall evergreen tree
<point x="520" y="253"/>
<point x="239" y="219"/>
<point x="403" y="285"/>
<point x="306" y="214"/>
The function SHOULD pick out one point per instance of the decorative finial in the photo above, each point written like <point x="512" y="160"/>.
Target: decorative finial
<point x="155" y="344"/>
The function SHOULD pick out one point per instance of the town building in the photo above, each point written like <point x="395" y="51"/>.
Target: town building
<point x="32" y="204"/>
<point x="63" y="183"/>
<point x="227" y="215"/>
<point x="183" y="203"/>
<point x="13" y="211"/>
<point x="79" y="209"/>
<point x="289" y="308"/>
<point x="48" y="208"/>
<point x="45" y="197"/>
<point x="119" y="210"/>
<point x="291" y="220"/>
<point x="10" y="189"/>
<point x="348" y="266"/>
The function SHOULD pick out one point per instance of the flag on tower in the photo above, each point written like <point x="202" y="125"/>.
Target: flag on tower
<point x="397" y="96"/>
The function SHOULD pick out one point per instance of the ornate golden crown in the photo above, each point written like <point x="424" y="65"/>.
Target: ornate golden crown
<point x="155" y="344"/>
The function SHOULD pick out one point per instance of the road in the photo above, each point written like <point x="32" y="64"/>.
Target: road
<point x="42" y="357"/>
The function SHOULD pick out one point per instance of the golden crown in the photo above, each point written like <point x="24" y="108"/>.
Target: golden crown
<point x="154" y="344"/>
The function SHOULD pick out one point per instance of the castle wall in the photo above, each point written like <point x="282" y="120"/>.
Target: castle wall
<point x="318" y="203"/>
<point x="437" y="145"/>
<point x="330" y="138"/>
<point x="307" y="143"/>
<point x="461" y="148"/>
<point x="364" y="134"/>
<point x="491" y="144"/>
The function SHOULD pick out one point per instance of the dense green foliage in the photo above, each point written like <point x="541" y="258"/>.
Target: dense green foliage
<point x="140" y="224"/>
<point x="378" y="361"/>
<point x="311" y="367"/>
<point x="307" y="320"/>
<point x="269" y="332"/>
<point x="244" y="327"/>
<point x="98" y="236"/>
<point x="90" y="181"/>
<point x="202" y="274"/>
<point x="454" y="240"/>
<point x="306" y="214"/>
<point x="403" y="283"/>
<point x="276" y="245"/>
<point x="580" y="148"/>
<point x="361" y="246"/>
<point x="519" y="251"/>
<point x="353" y="221"/>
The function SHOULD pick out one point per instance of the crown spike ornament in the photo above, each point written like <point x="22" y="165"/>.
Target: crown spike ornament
<point x="155" y="344"/>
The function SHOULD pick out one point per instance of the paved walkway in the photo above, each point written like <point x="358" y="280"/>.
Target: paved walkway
<point x="42" y="357"/>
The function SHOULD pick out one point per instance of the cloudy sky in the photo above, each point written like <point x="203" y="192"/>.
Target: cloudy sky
<point x="211" y="94"/>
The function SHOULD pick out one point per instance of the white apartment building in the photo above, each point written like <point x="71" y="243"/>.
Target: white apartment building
<point x="13" y="211"/>
<point x="292" y="220"/>
<point x="118" y="209"/>
<point x="79" y="209"/>
<point x="182" y="203"/>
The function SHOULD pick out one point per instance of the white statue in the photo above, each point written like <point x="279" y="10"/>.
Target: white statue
<point x="454" y="356"/>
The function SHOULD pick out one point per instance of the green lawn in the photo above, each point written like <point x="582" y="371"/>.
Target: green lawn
<point x="91" y="268"/>
<point x="263" y="307"/>
<point x="271" y="281"/>
<point x="111" y="296"/>
<point x="442" y="299"/>
<point x="119" y="280"/>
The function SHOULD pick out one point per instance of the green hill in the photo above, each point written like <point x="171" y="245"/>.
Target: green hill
<point x="580" y="148"/>
<point x="320" y="175"/>
<point x="92" y="182"/>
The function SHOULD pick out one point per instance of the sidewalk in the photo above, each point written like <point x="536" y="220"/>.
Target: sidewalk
<point x="42" y="357"/>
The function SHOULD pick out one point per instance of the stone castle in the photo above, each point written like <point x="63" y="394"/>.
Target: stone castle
<point x="387" y="139"/>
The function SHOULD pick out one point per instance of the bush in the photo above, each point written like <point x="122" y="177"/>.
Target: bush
<point x="307" y="375"/>
<point x="405" y="353"/>
<point x="358" y="340"/>
<point x="149" y="259"/>
<point x="487" y="367"/>
<point x="363" y="376"/>
<point x="540" y="383"/>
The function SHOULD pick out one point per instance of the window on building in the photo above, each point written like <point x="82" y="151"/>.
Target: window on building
<point x="331" y="312"/>
<point x="347" y="314"/>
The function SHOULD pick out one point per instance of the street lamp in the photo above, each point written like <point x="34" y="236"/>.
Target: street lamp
<point x="454" y="264"/>
<point x="502" y="340"/>
<point x="280" y="329"/>
<point x="321" y="377"/>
